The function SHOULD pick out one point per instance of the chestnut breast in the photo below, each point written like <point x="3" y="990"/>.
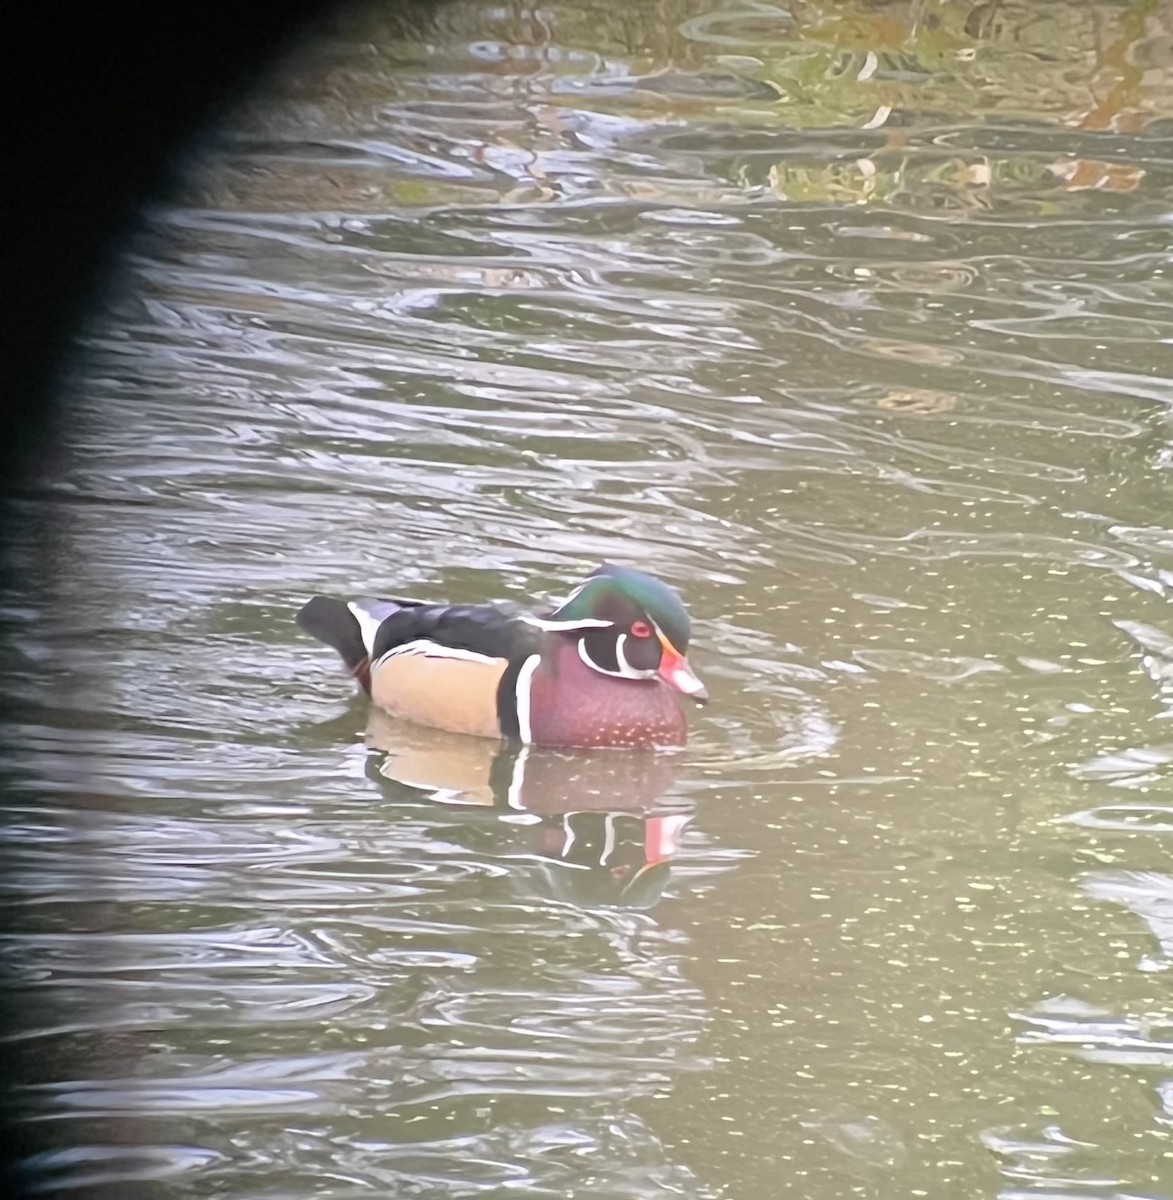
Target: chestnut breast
<point x="573" y="705"/>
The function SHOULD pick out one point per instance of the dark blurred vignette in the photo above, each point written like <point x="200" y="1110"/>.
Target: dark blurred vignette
<point x="100" y="100"/>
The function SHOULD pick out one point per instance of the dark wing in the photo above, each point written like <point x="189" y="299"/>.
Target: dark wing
<point x="493" y="630"/>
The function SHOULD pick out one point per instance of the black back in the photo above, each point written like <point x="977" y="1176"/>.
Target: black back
<point x="489" y="629"/>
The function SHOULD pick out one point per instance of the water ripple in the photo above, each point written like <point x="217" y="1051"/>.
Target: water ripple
<point x="848" y="323"/>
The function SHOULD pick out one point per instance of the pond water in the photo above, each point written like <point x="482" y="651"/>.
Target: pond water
<point x="851" y="321"/>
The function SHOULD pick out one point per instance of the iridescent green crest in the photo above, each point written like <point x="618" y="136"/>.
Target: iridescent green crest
<point x="623" y="594"/>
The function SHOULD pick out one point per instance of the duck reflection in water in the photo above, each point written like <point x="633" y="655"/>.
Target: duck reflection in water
<point x="595" y="819"/>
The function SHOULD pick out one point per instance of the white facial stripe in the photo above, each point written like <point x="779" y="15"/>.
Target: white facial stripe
<point x="524" y="713"/>
<point x="427" y="649"/>
<point x="577" y="591"/>
<point x="564" y="626"/>
<point x="590" y="662"/>
<point x="626" y="670"/>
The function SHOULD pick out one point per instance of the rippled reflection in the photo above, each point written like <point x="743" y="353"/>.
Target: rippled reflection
<point x="850" y="321"/>
<point x="595" y="819"/>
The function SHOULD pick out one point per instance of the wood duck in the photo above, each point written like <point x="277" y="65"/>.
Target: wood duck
<point x="604" y="668"/>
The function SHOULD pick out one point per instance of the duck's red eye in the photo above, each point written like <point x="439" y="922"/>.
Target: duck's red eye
<point x="641" y="629"/>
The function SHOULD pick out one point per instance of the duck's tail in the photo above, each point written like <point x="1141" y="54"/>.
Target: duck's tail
<point x="349" y="628"/>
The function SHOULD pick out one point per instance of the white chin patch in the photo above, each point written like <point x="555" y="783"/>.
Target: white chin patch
<point x="626" y="670"/>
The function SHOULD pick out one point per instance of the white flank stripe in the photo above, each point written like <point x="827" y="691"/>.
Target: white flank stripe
<point x="524" y="678"/>
<point x="434" y="650"/>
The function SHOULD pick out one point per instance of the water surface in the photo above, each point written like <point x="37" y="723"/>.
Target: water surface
<point x="849" y="320"/>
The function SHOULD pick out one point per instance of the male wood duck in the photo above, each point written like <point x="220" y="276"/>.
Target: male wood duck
<point x="604" y="668"/>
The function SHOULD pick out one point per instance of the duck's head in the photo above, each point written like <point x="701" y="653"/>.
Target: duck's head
<point x="630" y="625"/>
